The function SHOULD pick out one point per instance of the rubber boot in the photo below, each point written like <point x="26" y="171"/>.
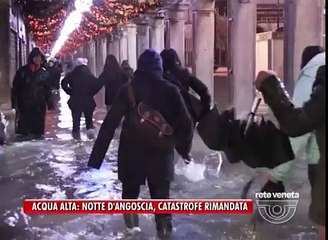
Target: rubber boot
<point x="269" y="187"/>
<point x="164" y="228"/>
<point x="273" y="187"/>
<point x="76" y="135"/>
<point x="312" y="172"/>
<point x="131" y="220"/>
<point x="37" y="137"/>
<point x="91" y="134"/>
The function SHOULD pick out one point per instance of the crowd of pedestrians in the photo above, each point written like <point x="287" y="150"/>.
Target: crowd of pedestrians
<point x="157" y="113"/>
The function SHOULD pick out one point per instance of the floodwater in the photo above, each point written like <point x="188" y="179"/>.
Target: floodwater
<point x="55" y="168"/>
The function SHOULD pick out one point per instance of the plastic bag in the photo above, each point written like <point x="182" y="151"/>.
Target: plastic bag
<point x="194" y="172"/>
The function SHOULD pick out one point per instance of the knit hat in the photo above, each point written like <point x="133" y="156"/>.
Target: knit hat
<point x="81" y="61"/>
<point x="150" y="61"/>
<point x="309" y="52"/>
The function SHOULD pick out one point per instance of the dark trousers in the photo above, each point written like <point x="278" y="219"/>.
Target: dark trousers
<point x="76" y="115"/>
<point x="30" y="122"/>
<point x="312" y="173"/>
<point x="157" y="191"/>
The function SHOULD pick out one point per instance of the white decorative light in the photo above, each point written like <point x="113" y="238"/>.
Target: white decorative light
<point x="72" y="22"/>
<point x="83" y="5"/>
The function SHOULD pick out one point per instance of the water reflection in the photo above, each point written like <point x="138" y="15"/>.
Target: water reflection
<point x="55" y="168"/>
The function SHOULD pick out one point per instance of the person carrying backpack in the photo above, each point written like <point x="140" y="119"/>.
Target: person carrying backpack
<point x="156" y="121"/>
<point x="176" y="74"/>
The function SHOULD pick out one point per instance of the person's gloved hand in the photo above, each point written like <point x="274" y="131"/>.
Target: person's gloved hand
<point x="261" y="76"/>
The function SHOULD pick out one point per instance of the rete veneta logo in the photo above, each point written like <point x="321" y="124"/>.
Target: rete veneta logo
<point x="279" y="210"/>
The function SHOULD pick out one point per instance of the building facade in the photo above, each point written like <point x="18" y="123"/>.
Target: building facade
<point x="15" y="45"/>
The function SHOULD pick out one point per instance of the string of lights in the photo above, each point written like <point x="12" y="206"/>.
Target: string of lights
<point x="101" y="19"/>
<point x="103" y="16"/>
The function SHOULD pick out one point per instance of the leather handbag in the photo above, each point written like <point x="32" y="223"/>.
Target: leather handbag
<point x="148" y="126"/>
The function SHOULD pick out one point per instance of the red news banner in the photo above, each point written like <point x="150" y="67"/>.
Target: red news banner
<point x="138" y="206"/>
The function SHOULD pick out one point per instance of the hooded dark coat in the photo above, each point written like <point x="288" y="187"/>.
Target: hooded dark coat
<point x="81" y="85"/>
<point x="113" y="80"/>
<point x="31" y="95"/>
<point x="136" y="164"/>
<point x="185" y="81"/>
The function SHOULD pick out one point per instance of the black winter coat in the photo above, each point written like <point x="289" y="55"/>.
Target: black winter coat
<point x="185" y="81"/>
<point x="135" y="164"/>
<point x="299" y="121"/>
<point x="113" y="84"/>
<point x="81" y="85"/>
<point x="54" y="77"/>
<point x="31" y="95"/>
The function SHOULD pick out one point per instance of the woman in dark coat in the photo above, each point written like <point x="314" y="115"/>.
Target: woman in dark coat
<point x="113" y="78"/>
<point x="305" y="146"/>
<point x="135" y="164"/>
<point x="298" y="121"/>
<point x="81" y="85"/>
<point x="31" y="95"/>
<point x="54" y="75"/>
<point x="185" y="81"/>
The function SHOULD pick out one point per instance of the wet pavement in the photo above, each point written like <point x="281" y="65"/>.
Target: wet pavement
<point x="55" y="168"/>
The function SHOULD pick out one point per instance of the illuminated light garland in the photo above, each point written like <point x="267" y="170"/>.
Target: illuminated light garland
<point x="43" y="9"/>
<point x="44" y="19"/>
<point x="71" y="23"/>
<point x="97" y="22"/>
<point x="104" y="15"/>
<point x="45" y="31"/>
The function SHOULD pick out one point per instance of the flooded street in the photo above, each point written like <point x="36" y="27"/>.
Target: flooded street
<point x="55" y="168"/>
